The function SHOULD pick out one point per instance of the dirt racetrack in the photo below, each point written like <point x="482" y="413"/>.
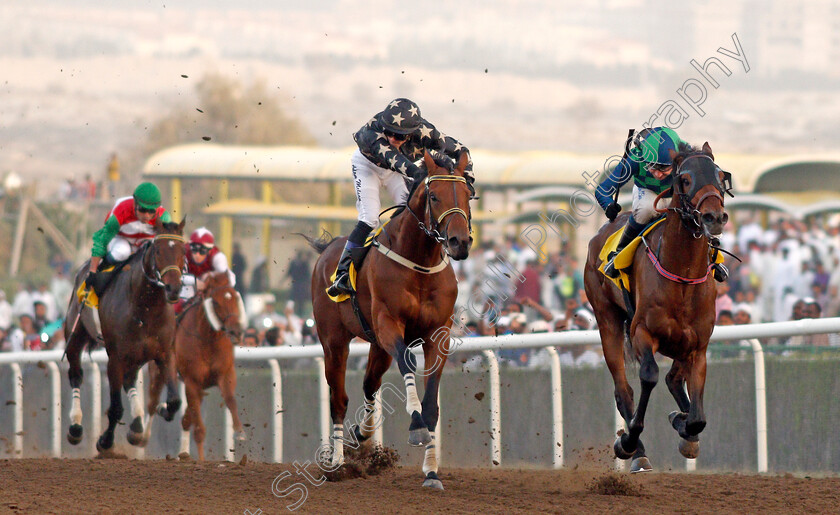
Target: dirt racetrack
<point x="128" y="486"/>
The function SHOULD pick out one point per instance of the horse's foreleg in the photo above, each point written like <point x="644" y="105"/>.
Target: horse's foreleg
<point x="696" y="421"/>
<point x="227" y="384"/>
<point x="418" y="431"/>
<point x="136" y="428"/>
<point x="75" y="374"/>
<point x="435" y="358"/>
<point x="378" y="363"/>
<point x="115" y="410"/>
<point x="193" y="417"/>
<point x="335" y="363"/>
<point x="169" y="370"/>
<point x="675" y="379"/>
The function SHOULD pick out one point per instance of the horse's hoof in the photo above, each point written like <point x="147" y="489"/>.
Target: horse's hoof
<point x="419" y="437"/>
<point x="689" y="449"/>
<point x="173" y="405"/>
<point x="104" y="445"/>
<point x="433" y="481"/>
<point x="136" y="425"/>
<point x="74" y="435"/>
<point x="619" y="451"/>
<point x="240" y="436"/>
<point x="136" y="439"/>
<point x="185" y="456"/>
<point x="641" y="464"/>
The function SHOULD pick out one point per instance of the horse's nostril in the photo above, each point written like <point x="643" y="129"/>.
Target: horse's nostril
<point x="453" y="241"/>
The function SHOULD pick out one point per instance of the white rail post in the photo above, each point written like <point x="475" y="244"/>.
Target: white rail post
<point x="141" y="398"/>
<point x="185" y="435"/>
<point x="378" y="417"/>
<point x="277" y="417"/>
<point x="495" y="408"/>
<point x="556" y="407"/>
<point x="619" y="425"/>
<point x="95" y="386"/>
<point x="55" y="408"/>
<point x="17" y="411"/>
<point x="228" y="436"/>
<point x="323" y="401"/>
<point x="760" y="405"/>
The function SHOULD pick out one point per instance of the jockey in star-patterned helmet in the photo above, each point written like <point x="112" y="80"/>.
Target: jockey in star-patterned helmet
<point x="649" y="163"/>
<point x="389" y="145"/>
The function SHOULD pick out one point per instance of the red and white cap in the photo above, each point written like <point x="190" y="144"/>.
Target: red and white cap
<point x="204" y="237"/>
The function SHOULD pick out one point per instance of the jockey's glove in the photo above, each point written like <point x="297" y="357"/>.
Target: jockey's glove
<point x="612" y="211"/>
<point x="90" y="280"/>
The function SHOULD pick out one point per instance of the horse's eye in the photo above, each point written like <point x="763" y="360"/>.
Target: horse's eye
<point x="686" y="181"/>
<point x="433" y="197"/>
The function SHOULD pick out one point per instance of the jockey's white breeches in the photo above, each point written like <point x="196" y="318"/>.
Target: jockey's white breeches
<point x="120" y="249"/>
<point x="643" y="211"/>
<point x="367" y="180"/>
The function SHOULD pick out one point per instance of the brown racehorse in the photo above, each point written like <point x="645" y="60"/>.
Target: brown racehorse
<point x="138" y="325"/>
<point x="404" y="303"/>
<point x="208" y="328"/>
<point x="671" y="317"/>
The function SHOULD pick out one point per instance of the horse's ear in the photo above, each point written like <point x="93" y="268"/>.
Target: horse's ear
<point x="673" y="153"/>
<point x="463" y="161"/>
<point x="708" y="150"/>
<point x="158" y="224"/>
<point x="429" y="161"/>
<point x="182" y="224"/>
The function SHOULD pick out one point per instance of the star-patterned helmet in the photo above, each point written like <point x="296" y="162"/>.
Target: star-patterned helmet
<point x="402" y="116"/>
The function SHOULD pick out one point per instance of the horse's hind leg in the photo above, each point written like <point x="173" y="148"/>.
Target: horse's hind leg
<point x="378" y="363"/>
<point x="227" y="384"/>
<point x="115" y="410"/>
<point x="75" y="375"/>
<point x="135" y="429"/>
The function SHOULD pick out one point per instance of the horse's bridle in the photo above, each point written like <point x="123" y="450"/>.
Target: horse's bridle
<point x="432" y="229"/>
<point x="213" y="315"/>
<point x="157" y="275"/>
<point x="690" y="213"/>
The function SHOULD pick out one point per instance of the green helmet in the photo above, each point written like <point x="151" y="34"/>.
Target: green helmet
<point x="147" y="195"/>
<point x="655" y="146"/>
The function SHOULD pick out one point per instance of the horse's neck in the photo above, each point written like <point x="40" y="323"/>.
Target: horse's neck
<point x="143" y="267"/>
<point x="409" y="241"/>
<point x="680" y="252"/>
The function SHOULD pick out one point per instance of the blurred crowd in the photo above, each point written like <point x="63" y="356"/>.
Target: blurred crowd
<point x="788" y="270"/>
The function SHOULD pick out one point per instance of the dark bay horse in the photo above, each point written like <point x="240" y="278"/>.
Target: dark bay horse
<point x="673" y="317"/>
<point x="138" y="325"/>
<point x="406" y="290"/>
<point x="208" y="328"/>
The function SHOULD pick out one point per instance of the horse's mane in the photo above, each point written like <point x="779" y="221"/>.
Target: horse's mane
<point x="684" y="150"/>
<point x="441" y="161"/>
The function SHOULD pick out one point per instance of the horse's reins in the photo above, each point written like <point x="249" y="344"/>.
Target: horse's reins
<point x="687" y="212"/>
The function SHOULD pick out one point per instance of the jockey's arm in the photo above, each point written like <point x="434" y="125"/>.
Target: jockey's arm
<point x="375" y="146"/>
<point x="165" y="217"/>
<point x="101" y="239"/>
<point x="614" y="180"/>
<point x="432" y="138"/>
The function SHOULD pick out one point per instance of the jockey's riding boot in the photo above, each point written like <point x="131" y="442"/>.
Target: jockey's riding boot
<point x="631" y="230"/>
<point x="342" y="274"/>
<point x="721" y="272"/>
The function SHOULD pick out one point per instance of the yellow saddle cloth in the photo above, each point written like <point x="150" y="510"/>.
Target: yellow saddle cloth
<point x="624" y="258"/>
<point x="368" y="242"/>
<point x="89" y="297"/>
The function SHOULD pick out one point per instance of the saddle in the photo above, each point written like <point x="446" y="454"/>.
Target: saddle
<point x="624" y="259"/>
<point x="104" y="276"/>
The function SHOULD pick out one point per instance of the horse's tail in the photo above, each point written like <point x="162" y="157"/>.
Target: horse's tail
<point x="321" y="243"/>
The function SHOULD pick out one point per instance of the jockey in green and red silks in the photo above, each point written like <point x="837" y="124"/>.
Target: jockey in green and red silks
<point x="129" y="223"/>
